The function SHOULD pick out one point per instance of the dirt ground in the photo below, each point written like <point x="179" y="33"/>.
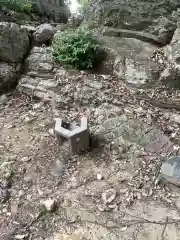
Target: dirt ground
<point x="34" y="168"/>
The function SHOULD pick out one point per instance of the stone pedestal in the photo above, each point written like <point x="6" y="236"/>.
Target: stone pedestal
<point x="78" y="138"/>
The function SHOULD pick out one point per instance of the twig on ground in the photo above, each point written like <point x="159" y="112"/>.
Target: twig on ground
<point x="159" y="104"/>
<point x="164" y="229"/>
<point x="130" y="223"/>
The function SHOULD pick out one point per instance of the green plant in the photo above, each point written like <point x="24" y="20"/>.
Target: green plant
<point x="77" y="49"/>
<point x="17" y="5"/>
<point x="84" y="4"/>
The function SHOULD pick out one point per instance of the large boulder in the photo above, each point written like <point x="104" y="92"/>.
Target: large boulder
<point x="8" y="76"/>
<point x="128" y="56"/>
<point x="171" y="73"/>
<point x="43" y="33"/>
<point x="150" y="16"/>
<point x="14" y="42"/>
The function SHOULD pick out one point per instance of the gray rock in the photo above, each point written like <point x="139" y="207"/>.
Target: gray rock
<point x="29" y="28"/>
<point x="170" y="170"/>
<point x="39" y="76"/>
<point x="163" y="28"/>
<point x="137" y="15"/>
<point x="171" y="74"/>
<point x="175" y="46"/>
<point x="108" y="196"/>
<point x="38" y="61"/>
<point x="43" y="33"/>
<point x="49" y="204"/>
<point x="14" y="42"/>
<point x="3" y="99"/>
<point x="8" y="75"/>
<point x="128" y="58"/>
<point x="123" y="132"/>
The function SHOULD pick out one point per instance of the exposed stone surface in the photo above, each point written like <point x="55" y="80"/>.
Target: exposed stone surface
<point x="29" y="28"/>
<point x="55" y="10"/>
<point x="128" y="58"/>
<point x="39" y="76"/>
<point x="170" y="170"/>
<point x="8" y="76"/>
<point x="43" y="33"/>
<point x="175" y="45"/>
<point x="124" y="132"/>
<point x="14" y="42"/>
<point x="171" y="73"/>
<point x="138" y="15"/>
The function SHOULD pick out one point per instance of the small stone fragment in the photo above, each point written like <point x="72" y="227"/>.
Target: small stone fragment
<point x="51" y="131"/>
<point x="123" y="191"/>
<point x="99" y="176"/>
<point x="123" y="229"/>
<point x="4" y="195"/>
<point x="38" y="105"/>
<point x="14" y="208"/>
<point x="112" y="206"/>
<point x="101" y="208"/>
<point x="25" y="159"/>
<point x="108" y="196"/>
<point x="21" y="193"/>
<point x="28" y="120"/>
<point x="49" y="204"/>
<point x="21" y="236"/>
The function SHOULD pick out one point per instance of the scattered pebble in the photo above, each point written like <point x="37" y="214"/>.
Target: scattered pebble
<point x="21" y="236"/>
<point x="4" y="195"/>
<point x="112" y="206"/>
<point x="101" y="208"/>
<point x="99" y="177"/>
<point x="25" y="159"/>
<point x="49" y="204"/>
<point x="123" y="229"/>
<point x="123" y="191"/>
<point x="38" y="105"/>
<point x="11" y="126"/>
<point x="108" y="196"/>
<point x="14" y="208"/>
<point x="28" y="120"/>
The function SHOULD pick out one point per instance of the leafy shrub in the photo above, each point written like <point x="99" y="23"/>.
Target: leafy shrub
<point x="77" y="49"/>
<point x="17" y="5"/>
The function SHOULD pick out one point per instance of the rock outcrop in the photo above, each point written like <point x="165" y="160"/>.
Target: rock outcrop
<point x="155" y="17"/>
<point x="14" y="45"/>
<point x="14" y="42"/>
<point x="128" y="56"/>
<point x="8" y="75"/>
<point x="56" y="10"/>
<point x="171" y="73"/>
<point x="38" y="77"/>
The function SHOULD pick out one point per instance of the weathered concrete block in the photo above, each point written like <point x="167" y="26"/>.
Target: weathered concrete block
<point x="78" y="138"/>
